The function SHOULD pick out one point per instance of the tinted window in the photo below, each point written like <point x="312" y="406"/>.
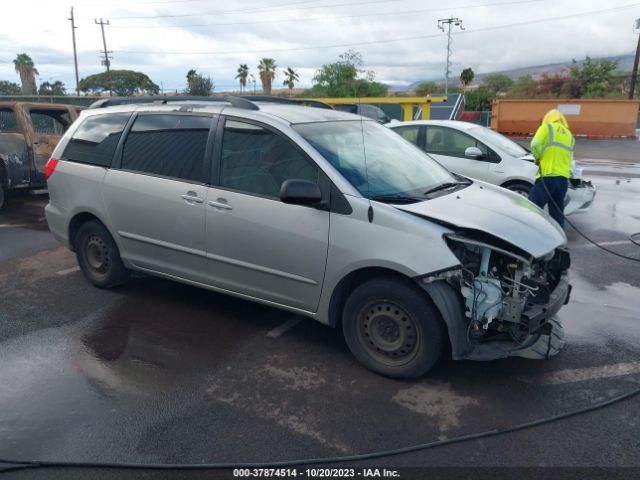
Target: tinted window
<point x="96" y="139"/>
<point x="167" y="145"/>
<point x="408" y="133"/>
<point x="8" y="120"/>
<point x="446" y="141"/>
<point x="257" y="160"/>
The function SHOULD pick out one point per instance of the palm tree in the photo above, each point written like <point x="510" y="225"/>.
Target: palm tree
<point x="290" y="77"/>
<point x="243" y="74"/>
<point x="466" y="77"/>
<point x="267" y="68"/>
<point x="26" y="69"/>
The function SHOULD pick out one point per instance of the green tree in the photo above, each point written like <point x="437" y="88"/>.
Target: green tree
<point x="198" y="84"/>
<point x="346" y="78"/>
<point x="9" y="88"/>
<point x="594" y="78"/>
<point x="466" y="77"/>
<point x="56" y="88"/>
<point x="123" y="83"/>
<point x="25" y="67"/>
<point x="497" y="83"/>
<point x="267" y="69"/>
<point x="290" y="78"/>
<point x="428" y="88"/>
<point x="243" y="74"/>
<point x="523" y="87"/>
<point x="478" y="99"/>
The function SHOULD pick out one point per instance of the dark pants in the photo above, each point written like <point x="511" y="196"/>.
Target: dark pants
<point x="551" y="190"/>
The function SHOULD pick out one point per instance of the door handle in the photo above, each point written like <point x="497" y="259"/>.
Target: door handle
<point x="220" y="204"/>
<point x="191" y="197"/>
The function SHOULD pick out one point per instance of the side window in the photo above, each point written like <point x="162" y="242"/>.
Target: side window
<point x="8" y="121"/>
<point x="256" y="160"/>
<point x="409" y="133"/>
<point x="167" y="145"/>
<point x="446" y="141"/>
<point x="95" y="141"/>
<point x="49" y="122"/>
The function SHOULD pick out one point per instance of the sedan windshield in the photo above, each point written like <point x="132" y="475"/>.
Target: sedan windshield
<point x="375" y="160"/>
<point x="498" y="141"/>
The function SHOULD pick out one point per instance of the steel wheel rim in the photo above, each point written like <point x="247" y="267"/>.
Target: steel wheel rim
<point x="97" y="255"/>
<point x="388" y="333"/>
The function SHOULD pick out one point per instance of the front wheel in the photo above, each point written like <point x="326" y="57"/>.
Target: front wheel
<point x="521" y="188"/>
<point x="392" y="328"/>
<point x="98" y="256"/>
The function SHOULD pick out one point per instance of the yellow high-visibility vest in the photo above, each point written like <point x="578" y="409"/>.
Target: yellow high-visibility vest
<point x="552" y="146"/>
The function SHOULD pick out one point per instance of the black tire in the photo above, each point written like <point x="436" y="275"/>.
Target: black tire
<point x="522" y="188"/>
<point x="98" y="256"/>
<point x="392" y="328"/>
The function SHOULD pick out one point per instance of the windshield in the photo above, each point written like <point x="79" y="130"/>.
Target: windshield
<point x="393" y="165"/>
<point x="497" y="140"/>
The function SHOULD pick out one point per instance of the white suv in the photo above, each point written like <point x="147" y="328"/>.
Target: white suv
<point x="321" y="213"/>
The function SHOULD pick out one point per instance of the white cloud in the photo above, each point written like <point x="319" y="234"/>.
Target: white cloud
<point x="41" y="29"/>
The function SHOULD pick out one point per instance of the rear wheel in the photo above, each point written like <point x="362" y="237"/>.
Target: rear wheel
<point x="392" y="328"/>
<point x="98" y="256"/>
<point x="521" y="188"/>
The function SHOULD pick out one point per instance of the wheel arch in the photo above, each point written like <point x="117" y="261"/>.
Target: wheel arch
<point x="81" y="218"/>
<point x="515" y="181"/>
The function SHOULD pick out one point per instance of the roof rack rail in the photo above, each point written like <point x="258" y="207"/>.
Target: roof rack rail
<point x="237" y="102"/>
<point x="286" y="101"/>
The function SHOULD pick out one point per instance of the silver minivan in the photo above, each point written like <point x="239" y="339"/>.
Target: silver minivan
<point x="318" y="212"/>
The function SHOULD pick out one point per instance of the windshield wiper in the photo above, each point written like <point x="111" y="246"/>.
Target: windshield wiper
<point x="445" y="186"/>
<point x="396" y="198"/>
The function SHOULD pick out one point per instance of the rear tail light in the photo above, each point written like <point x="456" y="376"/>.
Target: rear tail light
<point x="50" y="167"/>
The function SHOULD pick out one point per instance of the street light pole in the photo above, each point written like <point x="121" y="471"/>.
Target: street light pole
<point x="449" y="22"/>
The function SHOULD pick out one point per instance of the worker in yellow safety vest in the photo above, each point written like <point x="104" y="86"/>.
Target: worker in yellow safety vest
<point x="552" y="148"/>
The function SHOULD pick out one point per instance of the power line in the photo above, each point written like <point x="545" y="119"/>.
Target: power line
<point x="159" y="2"/>
<point x="341" y="17"/>
<point x="376" y="42"/>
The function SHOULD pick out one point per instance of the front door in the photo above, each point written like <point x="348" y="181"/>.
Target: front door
<point x="448" y="147"/>
<point x="257" y="245"/>
<point x="156" y="198"/>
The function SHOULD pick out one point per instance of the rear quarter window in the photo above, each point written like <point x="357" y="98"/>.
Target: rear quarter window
<point x="8" y="122"/>
<point x="95" y="140"/>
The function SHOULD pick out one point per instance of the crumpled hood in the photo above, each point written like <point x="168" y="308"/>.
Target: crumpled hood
<point x="496" y="211"/>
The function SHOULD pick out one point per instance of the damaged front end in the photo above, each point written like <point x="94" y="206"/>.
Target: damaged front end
<point x="507" y="299"/>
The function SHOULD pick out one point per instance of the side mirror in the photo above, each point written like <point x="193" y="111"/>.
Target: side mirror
<point x="300" y="192"/>
<point x="473" y="152"/>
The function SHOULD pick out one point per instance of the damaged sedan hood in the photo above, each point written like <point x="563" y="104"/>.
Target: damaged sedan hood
<point x="495" y="211"/>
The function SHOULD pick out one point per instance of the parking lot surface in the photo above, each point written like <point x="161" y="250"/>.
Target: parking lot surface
<point x="161" y="372"/>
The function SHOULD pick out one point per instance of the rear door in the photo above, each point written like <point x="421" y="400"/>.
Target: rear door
<point x="155" y="196"/>
<point x="413" y="134"/>
<point x="15" y="169"/>
<point x="448" y="145"/>
<point x="257" y="245"/>
<point x="48" y="124"/>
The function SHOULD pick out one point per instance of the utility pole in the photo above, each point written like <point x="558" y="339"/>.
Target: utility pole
<point x="75" y="53"/>
<point x="455" y="21"/>
<point x="106" y="62"/>
<point x="634" y="72"/>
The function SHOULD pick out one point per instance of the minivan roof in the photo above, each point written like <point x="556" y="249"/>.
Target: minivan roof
<point x="290" y="113"/>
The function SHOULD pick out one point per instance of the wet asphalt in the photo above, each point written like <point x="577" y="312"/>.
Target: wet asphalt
<point x="159" y="372"/>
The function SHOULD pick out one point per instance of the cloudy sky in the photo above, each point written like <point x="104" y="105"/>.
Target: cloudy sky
<point x="399" y="39"/>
